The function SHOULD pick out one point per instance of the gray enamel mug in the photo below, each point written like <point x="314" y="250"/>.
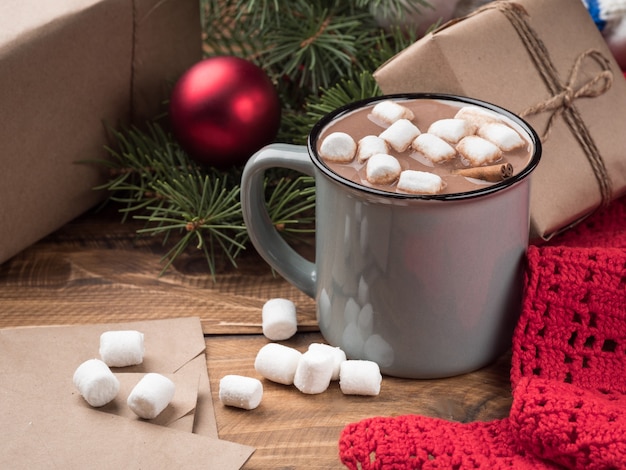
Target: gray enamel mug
<point x="427" y="286"/>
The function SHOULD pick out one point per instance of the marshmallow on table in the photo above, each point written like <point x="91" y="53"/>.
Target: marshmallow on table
<point x="478" y="151"/>
<point x="279" y="321"/>
<point x="382" y="169"/>
<point x="451" y="130"/>
<point x="338" y="147"/>
<point x="277" y="363"/>
<point x="338" y="356"/>
<point x="96" y="383"/>
<point x="240" y="391"/>
<point x="121" y="348"/>
<point x="433" y="148"/>
<point x="370" y="145"/>
<point x="419" y="182"/>
<point x="502" y="135"/>
<point x="390" y="111"/>
<point x="151" y="395"/>
<point x="400" y="134"/>
<point x="314" y="371"/>
<point x="358" y="377"/>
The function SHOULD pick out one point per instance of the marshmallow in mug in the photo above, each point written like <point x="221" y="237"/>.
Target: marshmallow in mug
<point x="419" y="182"/>
<point x="501" y="135"/>
<point x="339" y="147"/>
<point x="400" y="134"/>
<point x="451" y="130"/>
<point x="434" y="148"/>
<point x="121" y="348"/>
<point x="370" y="145"/>
<point x="478" y="151"/>
<point x="151" y="395"/>
<point x="96" y="383"/>
<point x="240" y="391"/>
<point x="476" y="116"/>
<point x="382" y="168"/>
<point x="389" y="112"/>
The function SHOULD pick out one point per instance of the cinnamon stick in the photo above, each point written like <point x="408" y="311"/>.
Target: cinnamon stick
<point x="491" y="173"/>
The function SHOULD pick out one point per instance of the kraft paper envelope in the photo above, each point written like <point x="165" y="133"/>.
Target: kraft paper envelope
<point x="39" y="433"/>
<point x="172" y="346"/>
<point x="46" y="423"/>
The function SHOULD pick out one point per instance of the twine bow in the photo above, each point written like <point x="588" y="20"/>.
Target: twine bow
<point x="596" y="86"/>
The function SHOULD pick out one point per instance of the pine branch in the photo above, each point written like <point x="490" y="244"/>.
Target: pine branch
<point x="227" y="30"/>
<point x="303" y="46"/>
<point x="320" y="55"/>
<point x="291" y="203"/>
<point x="187" y="204"/>
<point x="201" y="209"/>
<point x="315" y="46"/>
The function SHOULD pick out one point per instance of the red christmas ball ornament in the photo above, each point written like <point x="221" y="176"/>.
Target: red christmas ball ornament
<point x="223" y="109"/>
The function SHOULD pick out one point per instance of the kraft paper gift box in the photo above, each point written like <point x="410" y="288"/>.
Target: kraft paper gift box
<point x="69" y="69"/>
<point x="546" y="61"/>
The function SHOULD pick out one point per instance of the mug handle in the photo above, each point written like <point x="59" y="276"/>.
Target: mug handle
<point x="263" y="235"/>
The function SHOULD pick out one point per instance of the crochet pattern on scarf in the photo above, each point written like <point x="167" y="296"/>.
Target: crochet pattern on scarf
<point x="568" y="373"/>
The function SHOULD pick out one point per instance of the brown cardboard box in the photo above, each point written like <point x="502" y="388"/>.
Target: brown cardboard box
<point x="68" y="69"/>
<point x="520" y="55"/>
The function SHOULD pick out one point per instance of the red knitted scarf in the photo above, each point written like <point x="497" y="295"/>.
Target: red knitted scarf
<point x="568" y="373"/>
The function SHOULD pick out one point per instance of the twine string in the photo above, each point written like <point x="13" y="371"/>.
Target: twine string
<point x="594" y="87"/>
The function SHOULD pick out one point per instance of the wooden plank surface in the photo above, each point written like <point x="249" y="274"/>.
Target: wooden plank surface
<point x="94" y="270"/>
<point x="292" y="430"/>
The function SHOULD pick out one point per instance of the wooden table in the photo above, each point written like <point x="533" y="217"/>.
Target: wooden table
<point x="95" y="270"/>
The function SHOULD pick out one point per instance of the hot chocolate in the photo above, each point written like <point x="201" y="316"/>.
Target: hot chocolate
<point x="424" y="146"/>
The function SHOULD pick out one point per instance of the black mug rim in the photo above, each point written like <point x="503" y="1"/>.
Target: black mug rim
<point x="324" y="121"/>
